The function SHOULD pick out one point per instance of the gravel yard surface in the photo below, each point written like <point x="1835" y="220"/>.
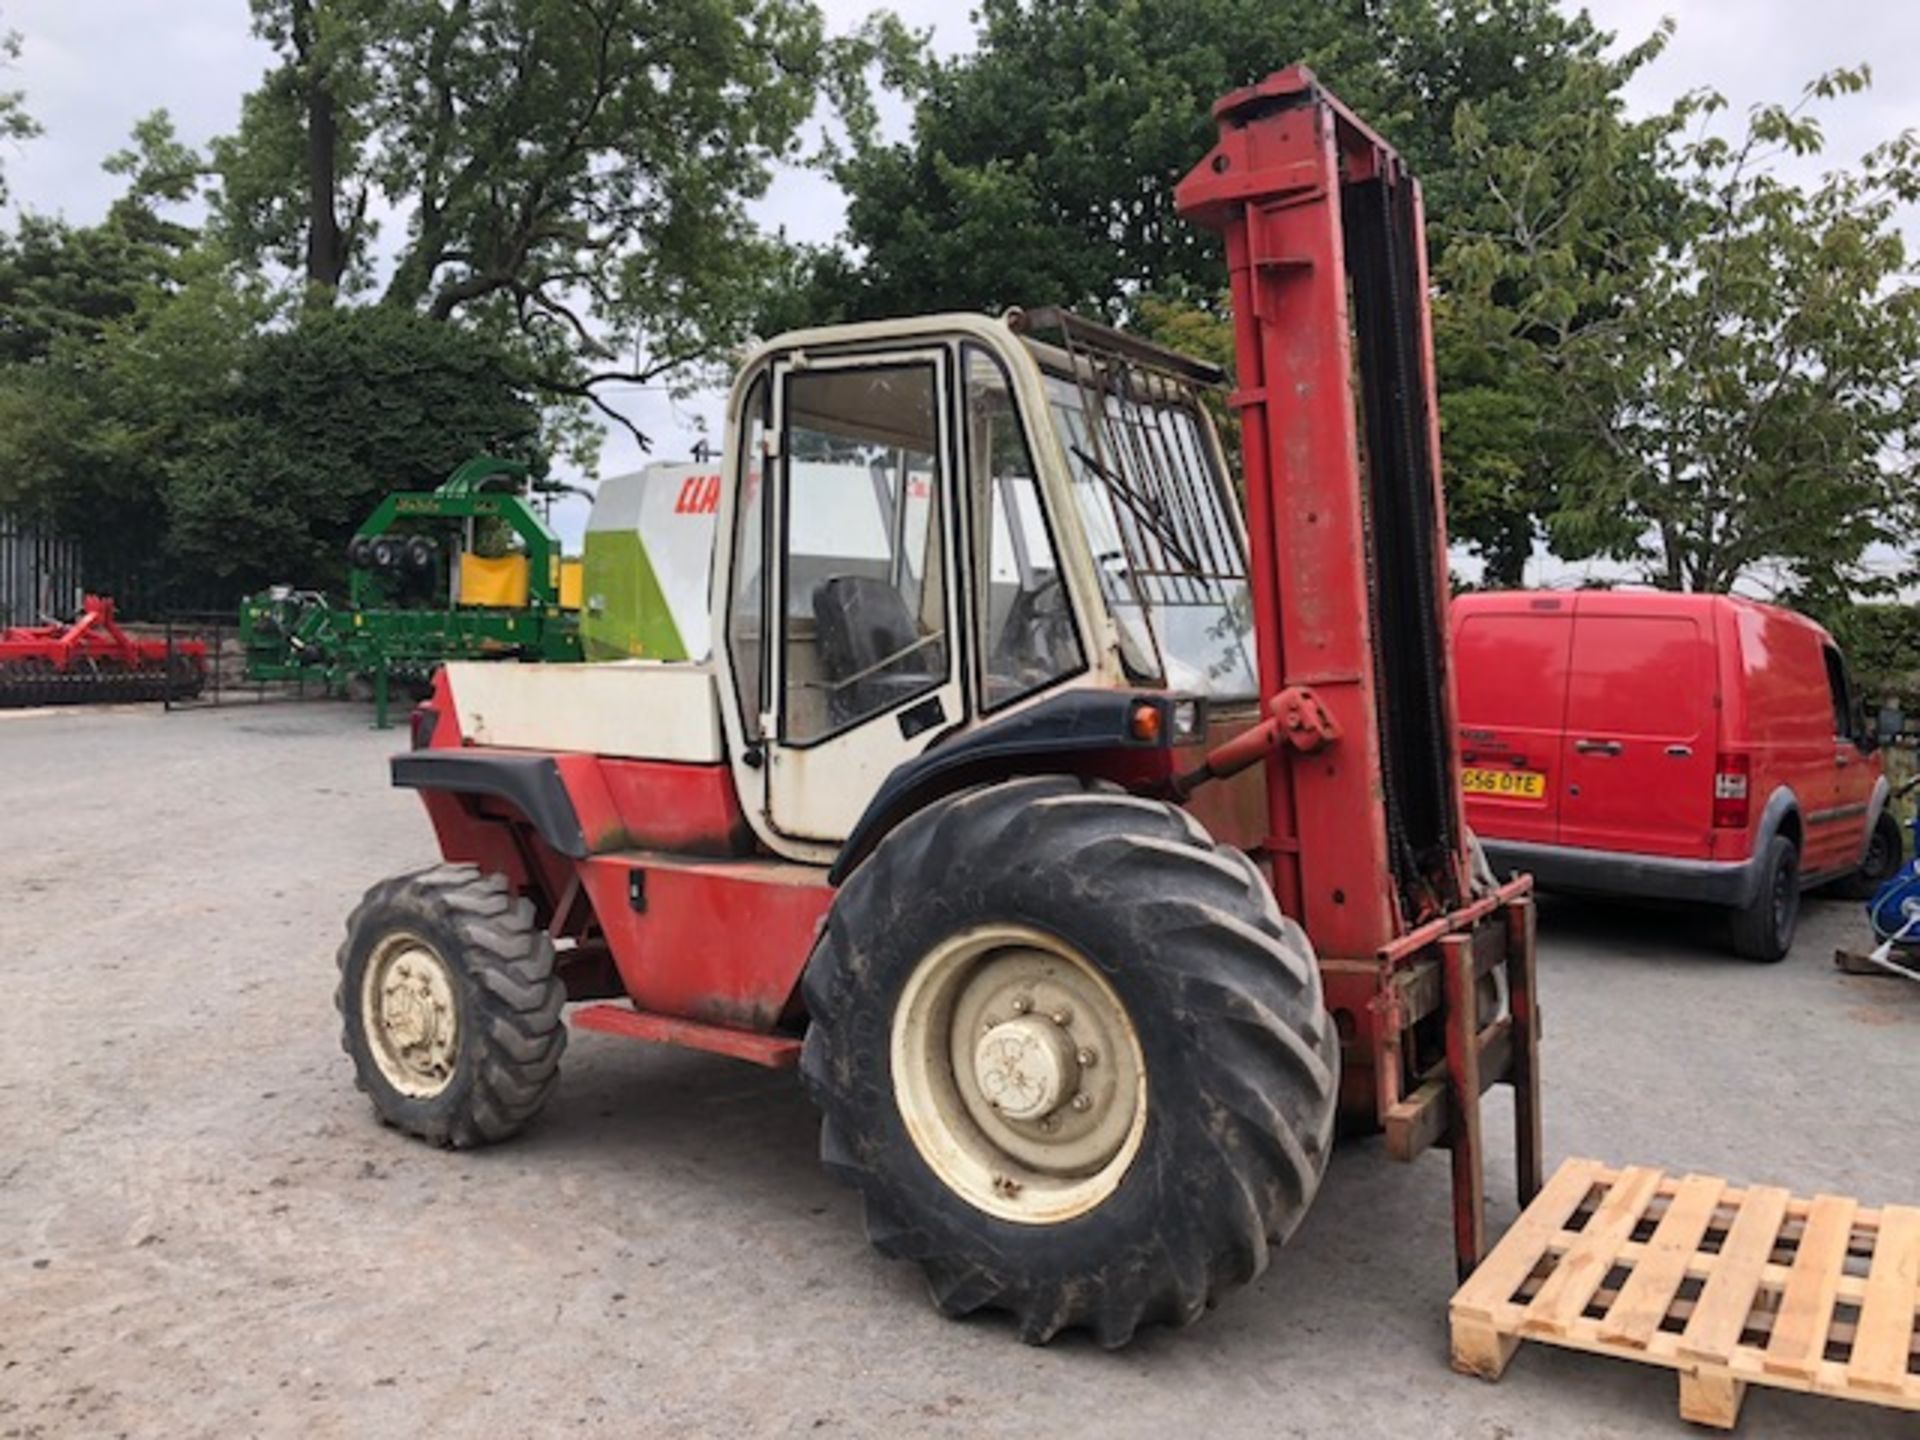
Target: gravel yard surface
<point x="203" y="1231"/>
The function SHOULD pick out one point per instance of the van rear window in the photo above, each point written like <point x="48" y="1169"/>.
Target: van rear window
<point x="1639" y="675"/>
<point x="1511" y="669"/>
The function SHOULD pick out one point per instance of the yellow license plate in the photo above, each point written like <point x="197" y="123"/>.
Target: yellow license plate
<point x="1515" y="784"/>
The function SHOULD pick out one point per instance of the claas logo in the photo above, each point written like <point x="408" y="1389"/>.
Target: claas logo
<point x="699" y="495"/>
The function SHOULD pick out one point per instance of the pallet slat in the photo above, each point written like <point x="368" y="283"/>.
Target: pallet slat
<point x="1731" y="1288"/>
<point x="1503" y="1272"/>
<point x="1586" y="1262"/>
<point x="1799" y="1339"/>
<point x="1885" y="1336"/>
<point x="1645" y="1298"/>
<point x="1727" y="1298"/>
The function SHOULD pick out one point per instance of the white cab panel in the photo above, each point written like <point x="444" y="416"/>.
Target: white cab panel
<point x="637" y="709"/>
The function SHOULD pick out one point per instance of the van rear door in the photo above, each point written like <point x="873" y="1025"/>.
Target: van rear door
<point x="1640" y="736"/>
<point x="1510" y="659"/>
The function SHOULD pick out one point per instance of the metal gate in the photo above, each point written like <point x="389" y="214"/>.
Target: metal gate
<point x="39" y="573"/>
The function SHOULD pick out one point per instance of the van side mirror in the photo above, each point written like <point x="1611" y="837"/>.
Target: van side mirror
<point x="1889" y="723"/>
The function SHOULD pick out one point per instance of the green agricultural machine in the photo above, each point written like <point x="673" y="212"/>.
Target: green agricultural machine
<point x="420" y="591"/>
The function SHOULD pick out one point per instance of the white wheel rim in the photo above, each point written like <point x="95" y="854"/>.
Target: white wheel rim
<point x="409" y="1014"/>
<point x="1018" y="1074"/>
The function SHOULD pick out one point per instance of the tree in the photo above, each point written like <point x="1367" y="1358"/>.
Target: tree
<point x="323" y="419"/>
<point x="58" y="281"/>
<point x="1745" y="394"/>
<point x="15" y="122"/>
<point x="169" y="413"/>
<point x="571" y="175"/>
<point x="1545" y="243"/>
<point x="1041" y="169"/>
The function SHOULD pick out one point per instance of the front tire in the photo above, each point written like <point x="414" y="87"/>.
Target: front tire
<point x="1073" y="1057"/>
<point x="450" y="1007"/>
<point x="1763" y="930"/>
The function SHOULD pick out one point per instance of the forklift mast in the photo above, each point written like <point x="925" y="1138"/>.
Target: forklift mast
<point x="1347" y="532"/>
<point x="1348" y="571"/>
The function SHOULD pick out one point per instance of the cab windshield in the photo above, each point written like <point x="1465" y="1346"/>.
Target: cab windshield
<point x="1156" y="509"/>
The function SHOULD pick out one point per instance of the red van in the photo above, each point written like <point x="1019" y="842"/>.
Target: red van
<point x="1677" y="747"/>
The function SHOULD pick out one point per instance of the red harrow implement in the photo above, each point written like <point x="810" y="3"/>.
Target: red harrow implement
<point x="92" y="660"/>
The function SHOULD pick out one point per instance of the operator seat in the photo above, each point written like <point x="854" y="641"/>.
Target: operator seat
<point x="862" y="627"/>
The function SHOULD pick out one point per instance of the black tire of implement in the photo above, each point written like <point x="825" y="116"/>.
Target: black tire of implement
<point x="511" y="1034"/>
<point x="1242" y="1060"/>
<point x="1758" y="930"/>
<point x="1886" y="852"/>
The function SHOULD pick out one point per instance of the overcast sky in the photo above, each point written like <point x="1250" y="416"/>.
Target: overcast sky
<point x="90" y="68"/>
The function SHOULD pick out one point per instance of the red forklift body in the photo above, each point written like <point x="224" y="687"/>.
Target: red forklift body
<point x="669" y="885"/>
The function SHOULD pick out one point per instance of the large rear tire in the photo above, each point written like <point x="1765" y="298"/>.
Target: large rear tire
<point x="1073" y="1057"/>
<point x="450" y="1007"/>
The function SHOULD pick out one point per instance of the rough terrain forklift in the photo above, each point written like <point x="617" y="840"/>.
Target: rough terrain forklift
<point x="1090" y="849"/>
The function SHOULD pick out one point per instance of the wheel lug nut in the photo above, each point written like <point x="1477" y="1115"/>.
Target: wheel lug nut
<point x="1086" y="1057"/>
<point x="1083" y="1102"/>
<point x="1062" y="1017"/>
<point x="1021" y="1004"/>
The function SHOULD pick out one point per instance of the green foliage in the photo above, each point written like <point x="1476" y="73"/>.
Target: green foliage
<point x="572" y="177"/>
<point x="58" y="282"/>
<point x="1041" y="170"/>
<point x="199" y="446"/>
<point x="574" y="173"/>
<point x="1882" y="645"/>
<point x="15" y="122"/>
<point x="321" y="420"/>
<point x="1649" y="346"/>
<point x="1041" y="166"/>
<point x="1731" y="391"/>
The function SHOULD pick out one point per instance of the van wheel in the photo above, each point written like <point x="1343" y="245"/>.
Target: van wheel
<point x="1885" y="851"/>
<point x="1763" y="931"/>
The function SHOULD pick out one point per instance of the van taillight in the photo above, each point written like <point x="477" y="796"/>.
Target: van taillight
<point x="1730" y="775"/>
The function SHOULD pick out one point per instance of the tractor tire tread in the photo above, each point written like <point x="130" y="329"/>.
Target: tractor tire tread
<point x="1233" y="975"/>
<point x="513" y="1031"/>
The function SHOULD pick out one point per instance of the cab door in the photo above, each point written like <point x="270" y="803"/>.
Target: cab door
<point x="865" y="668"/>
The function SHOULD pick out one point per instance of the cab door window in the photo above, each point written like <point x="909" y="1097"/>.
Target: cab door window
<point x="864" y="609"/>
<point x="1027" y="635"/>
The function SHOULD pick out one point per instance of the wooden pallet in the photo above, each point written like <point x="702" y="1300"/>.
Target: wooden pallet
<point x="1728" y="1287"/>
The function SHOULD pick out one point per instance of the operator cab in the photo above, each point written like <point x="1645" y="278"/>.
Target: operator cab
<point x="933" y="524"/>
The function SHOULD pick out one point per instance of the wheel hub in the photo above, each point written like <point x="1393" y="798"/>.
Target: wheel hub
<point x="410" y="1017"/>
<point x="1019" y="1074"/>
<point x="1026" y="1067"/>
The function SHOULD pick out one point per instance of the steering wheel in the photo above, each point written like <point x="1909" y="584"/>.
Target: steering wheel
<point x="1039" y="628"/>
